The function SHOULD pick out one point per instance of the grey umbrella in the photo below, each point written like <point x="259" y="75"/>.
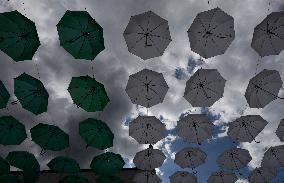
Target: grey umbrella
<point x="246" y="128"/>
<point x="222" y="177"/>
<point x="195" y="128"/>
<point x="147" y="35"/>
<point x="211" y="33"/>
<point x="268" y="36"/>
<point x="273" y="157"/>
<point x="280" y="131"/>
<point x="147" y="177"/>
<point x="263" y="88"/>
<point x="146" y="88"/>
<point x="262" y="175"/>
<point x="183" y="177"/>
<point x="204" y="88"/>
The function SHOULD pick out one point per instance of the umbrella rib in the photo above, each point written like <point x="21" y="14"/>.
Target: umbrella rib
<point x="138" y="25"/>
<point x="155" y="46"/>
<point x="162" y="37"/>
<point x="137" y="41"/>
<point x="157" y="26"/>
<point x="81" y="47"/>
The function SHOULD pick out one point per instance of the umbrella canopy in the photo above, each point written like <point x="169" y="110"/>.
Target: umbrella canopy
<point x="280" y="131"/>
<point x="74" y="179"/>
<point x="107" y="163"/>
<point x="9" y="179"/>
<point x="18" y="36"/>
<point x="4" y="95"/>
<point x="108" y="179"/>
<point x="147" y="35"/>
<point x="31" y="175"/>
<point x="146" y="88"/>
<point x="147" y="177"/>
<point x="64" y="164"/>
<point x="190" y="157"/>
<point x="222" y="177"/>
<point x="31" y="93"/>
<point x="262" y="175"/>
<point x="147" y="129"/>
<point x="273" y="157"/>
<point x="204" y="88"/>
<point x="4" y="167"/>
<point x="211" y="33"/>
<point x="246" y="128"/>
<point x="263" y="88"/>
<point x="12" y="132"/>
<point x="195" y="128"/>
<point x="23" y="160"/>
<point x="268" y="36"/>
<point x="234" y="159"/>
<point x="88" y="93"/>
<point x="183" y="177"/>
<point x="96" y="133"/>
<point x="80" y="35"/>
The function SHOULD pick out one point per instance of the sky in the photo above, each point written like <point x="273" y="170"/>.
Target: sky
<point x="113" y="66"/>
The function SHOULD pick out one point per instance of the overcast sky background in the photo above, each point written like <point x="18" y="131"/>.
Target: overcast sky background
<point x="113" y="66"/>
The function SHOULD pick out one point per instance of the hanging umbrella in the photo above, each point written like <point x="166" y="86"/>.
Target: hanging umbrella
<point x="147" y="35"/>
<point x="96" y="133"/>
<point x="222" y="177"/>
<point x="23" y="160"/>
<point x="268" y="36"/>
<point x="74" y="179"/>
<point x="211" y="33"/>
<point x="49" y="137"/>
<point x="109" y="179"/>
<point x="195" y="128"/>
<point x="204" y="88"/>
<point x="147" y="177"/>
<point x="183" y="177"/>
<point x="31" y="175"/>
<point x="4" y="96"/>
<point x="262" y="175"/>
<point x="18" y="36"/>
<point x="280" y="131"/>
<point x="80" y="35"/>
<point x="107" y="163"/>
<point x="88" y="93"/>
<point x="64" y="164"/>
<point x="9" y="179"/>
<point x="273" y="157"/>
<point x="4" y="167"/>
<point x="146" y="88"/>
<point x="246" y="128"/>
<point x="263" y="88"/>
<point x="12" y="132"/>
<point x="31" y="93"/>
<point x="147" y="129"/>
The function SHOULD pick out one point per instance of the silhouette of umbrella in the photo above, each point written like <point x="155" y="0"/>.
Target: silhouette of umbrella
<point x="12" y="132"/>
<point x="22" y="160"/>
<point x="147" y="129"/>
<point x="147" y="35"/>
<point x="195" y="128"/>
<point x="146" y="88"/>
<point x="268" y="36"/>
<point x="4" y="96"/>
<point x="263" y="88"/>
<point x="246" y="128"/>
<point x="280" y="131"/>
<point x="88" y="94"/>
<point x="31" y="175"/>
<point x="222" y="177"/>
<point x="109" y="179"/>
<point x="96" y="133"/>
<point x="64" y="164"/>
<point x="4" y="167"/>
<point x="30" y="93"/>
<point x="273" y="157"/>
<point x="262" y="175"/>
<point x="147" y="177"/>
<point x="9" y="179"/>
<point x="183" y="177"/>
<point x="74" y="179"/>
<point x="80" y="35"/>
<point x="211" y="33"/>
<point x="18" y="36"/>
<point x="204" y="88"/>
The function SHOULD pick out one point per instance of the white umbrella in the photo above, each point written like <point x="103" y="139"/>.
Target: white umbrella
<point x="183" y="177"/>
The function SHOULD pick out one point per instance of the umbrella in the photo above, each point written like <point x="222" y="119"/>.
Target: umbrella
<point x="195" y="128"/>
<point x="204" y="88"/>
<point x="147" y="35"/>
<point x="31" y="93"/>
<point x="147" y="129"/>
<point x="109" y="179"/>
<point x="147" y="177"/>
<point x="146" y="88"/>
<point x="211" y="33"/>
<point x="12" y="132"/>
<point x="222" y="177"/>
<point x="4" y="167"/>
<point x="149" y="159"/>
<point x="273" y="157"/>
<point x="263" y="88"/>
<point x="183" y="177"/>
<point x="280" y="131"/>
<point x="4" y="96"/>
<point x="262" y="175"/>
<point x="246" y="128"/>
<point x="18" y="36"/>
<point x="23" y="160"/>
<point x="268" y="36"/>
<point x="80" y="35"/>
<point x="49" y="137"/>
<point x="107" y="163"/>
<point x="31" y="175"/>
<point x="74" y="179"/>
<point x="88" y="93"/>
<point x="9" y="179"/>
<point x="64" y="164"/>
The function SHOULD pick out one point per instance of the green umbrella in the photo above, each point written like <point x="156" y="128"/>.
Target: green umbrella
<point x="23" y="160"/>
<point x="4" y="167"/>
<point x="88" y="94"/>
<point x="96" y="133"/>
<point x="64" y="164"/>
<point x="31" y="93"/>
<point x="4" y="96"/>
<point x="80" y="35"/>
<point x="12" y="132"/>
<point x="74" y="179"/>
<point x="9" y="179"/>
<point x="108" y="179"/>
<point x="18" y="36"/>
<point x="49" y="137"/>
<point x="107" y="164"/>
<point x="30" y="175"/>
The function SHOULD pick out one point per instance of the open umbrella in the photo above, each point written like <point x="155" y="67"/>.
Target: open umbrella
<point x="147" y="177"/>
<point x="280" y="131"/>
<point x="74" y="179"/>
<point x="4" y="96"/>
<point x="273" y="157"/>
<point x="109" y="179"/>
<point x="88" y="93"/>
<point x="204" y="88"/>
<point x="22" y="160"/>
<point x="64" y="164"/>
<point x="31" y="175"/>
<point x="183" y="177"/>
<point x="147" y="35"/>
<point x="9" y="179"/>
<point x="4" y="167"/>
<point x="222" y="177"/>
<point x="80" y="35"/>
<point x="262" y="175"/>
<point x="211" y="33"/>
<point x="18" y="36"/>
